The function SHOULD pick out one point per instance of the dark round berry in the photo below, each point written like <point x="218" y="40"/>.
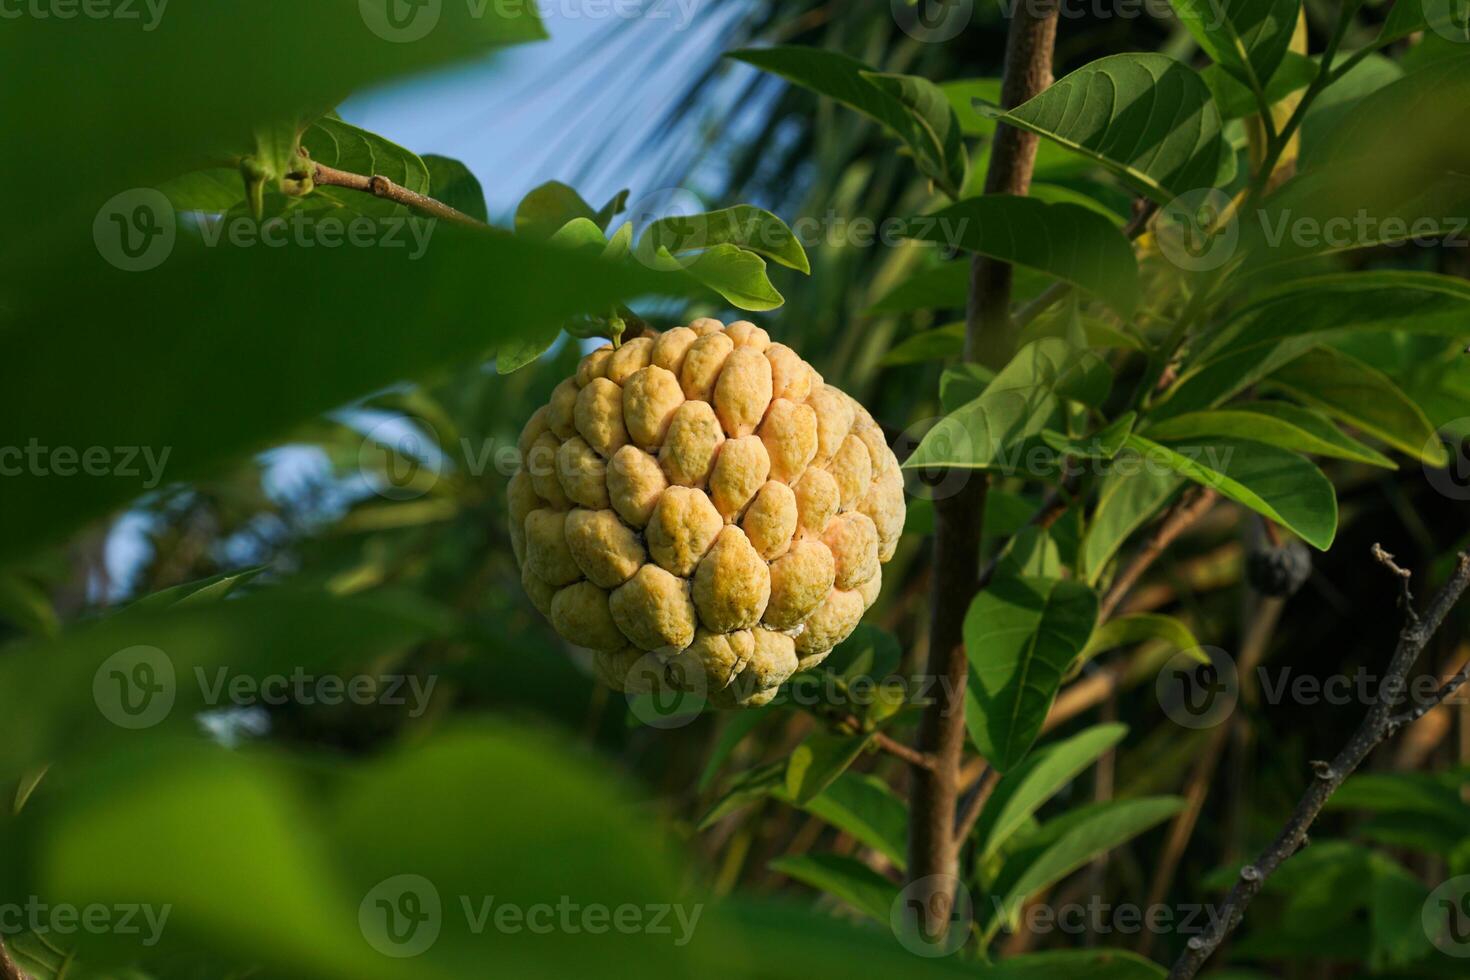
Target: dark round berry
<point x="1279" y="572"/>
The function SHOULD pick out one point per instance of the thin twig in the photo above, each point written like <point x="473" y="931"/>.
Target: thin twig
<point x="974" y="803"/>
<point x="1174" y="523"/>
<point x="898" y="750"/>
<point x="1377" y="727"/>
<point x="379" y="186"/>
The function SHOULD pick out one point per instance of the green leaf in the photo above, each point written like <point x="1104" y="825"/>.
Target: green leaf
<point x="135" y="351"/>
<point x="1105" y="443"/>
<point x="818" y="761"/>
<point x="936" y="344"/>
<point x="1021" y="635"/>
<point x="1130" y="494"/>
<point x="751" y="228"/>
<point x="548" y="208"/>
<point x="451" y="182"/>
<point x="1364" y="397"/>
<point x="1022" y="791"/>
<point x="59" y="694"/>
<point x="1138" y="628"/>
<point x="214" y="73"/>
<point x="26" y="606"/>
<point x="1273" y="482"/>
<point x="1396" y="915"/>
<point x="1236" y="100"/>
<point x="845" y="878"/>
<point x="1146" y="117"/>
<point x="1248" y="38"/>
<point x="738" y="724"/>
<point x="1083" y="964"/>
<point x="1016" y="405"/>
<point x="1275" y="423"/>
<point x="738" y="275"/>
<point x="912" y="108"/>
<point x="941" y="287"/>
<point x="960" y="384"/>
<point x="614" y="207"/>
<point x="866" y="808"/>
<point x="1072" y="243"/>
<point x="1068" y="843"/>
<point x="211" y="589"/>
<point x="944" y="156"/>
<point x="338" y="144"/>
<point x="212" y="191"/>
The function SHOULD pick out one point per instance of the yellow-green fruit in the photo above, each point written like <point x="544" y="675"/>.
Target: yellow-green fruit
<point x="702" y="510"/>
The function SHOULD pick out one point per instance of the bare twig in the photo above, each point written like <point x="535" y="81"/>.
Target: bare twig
<point x="383" y="187"/>
<point x="959" y="520"/>
<point x="898" y="750"/>
<point x="1180" y="517"/>
<point x="974" y="803"/>
<point x="1379" y="726"/>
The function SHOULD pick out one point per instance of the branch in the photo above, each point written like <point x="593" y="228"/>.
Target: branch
<point x="1378" y="727"/>
<point x="933" y="853"/>
<point x="386" y="189"/>
<point x="8" y="968"/>
<point x="1191" y="508"/>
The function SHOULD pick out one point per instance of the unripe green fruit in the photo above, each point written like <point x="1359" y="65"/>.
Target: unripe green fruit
<point x="703" y="498"/>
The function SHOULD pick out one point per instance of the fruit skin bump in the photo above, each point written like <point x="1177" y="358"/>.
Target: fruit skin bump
<point x="704" y="512"/>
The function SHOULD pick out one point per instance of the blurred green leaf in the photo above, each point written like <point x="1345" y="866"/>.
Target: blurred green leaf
<point x="1083" y="964"/>
<point x="143" y="668"/>
<point x="136" y="350"/>
<point x="866" y="808"/>
<point x="548" y="208"/>
<point x="844" y="878"/>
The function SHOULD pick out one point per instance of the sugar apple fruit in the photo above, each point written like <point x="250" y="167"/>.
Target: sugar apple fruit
<point x="702" y="502"/>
